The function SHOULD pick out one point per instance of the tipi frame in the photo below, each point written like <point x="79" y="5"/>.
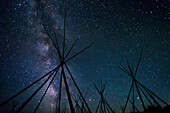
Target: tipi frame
<point x="103" y="106"/>
<point x="140" y="88"/>
<point x="52" y="74"/>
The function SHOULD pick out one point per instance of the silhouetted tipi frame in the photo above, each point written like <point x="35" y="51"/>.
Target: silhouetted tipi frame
<point x="79" y="104"/>
<point x="52" y="74"/>
<point x="103" y="106"/>
<point x="139" y="87"/>
<point x="77" y="107"/>
<point x="84" y="110"/>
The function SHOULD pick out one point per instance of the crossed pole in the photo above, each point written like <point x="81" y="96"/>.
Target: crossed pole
<point x="103" y="105"/>
<point x="63" y="60"/>
<point x="139" y="87"/>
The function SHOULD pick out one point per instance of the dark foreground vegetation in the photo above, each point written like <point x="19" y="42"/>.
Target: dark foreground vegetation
<point x="156" y="109"/>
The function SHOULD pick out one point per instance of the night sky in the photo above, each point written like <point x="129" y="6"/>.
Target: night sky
<point x="117" y="27"/>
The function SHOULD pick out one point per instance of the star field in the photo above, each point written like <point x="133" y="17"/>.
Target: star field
<point x="118" y="28"/>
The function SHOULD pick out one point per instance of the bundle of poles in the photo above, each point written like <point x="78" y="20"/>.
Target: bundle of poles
<point x="139" y="87"/>
<point x="103" y="105"/>
<point x="63" y="58"/>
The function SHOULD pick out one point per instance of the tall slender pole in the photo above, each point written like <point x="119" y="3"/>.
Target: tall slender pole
<point x="153" y="93"/>
<point x="98" y="106"/>
<point x="101" y="110"/>
<point x="67" y="91"/>
<point x="151" y="97"/>
<point x="46" y="91"/>
<point x="133" y="99"/>
<point x="64" y="31"/>
<point x="134" y="106"/>
<point x="71" y="48"/>
<point x="26" y="102"/>
<point x="59" y="102"/>
<point x="11" y="98"/>
<point x="138" y="61"/>
<point x="108" y="106"/>
<point x="78" y="88"/>
<point x="104" y="107"/>
<point x="79" y="52"/>
<point x="145" y="94"/>
<point x="140" y="96"/>
<point x="128" y="97"/>
<point x="107" y="109"/>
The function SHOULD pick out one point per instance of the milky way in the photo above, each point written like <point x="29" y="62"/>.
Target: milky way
<point x="118" y="28"/>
